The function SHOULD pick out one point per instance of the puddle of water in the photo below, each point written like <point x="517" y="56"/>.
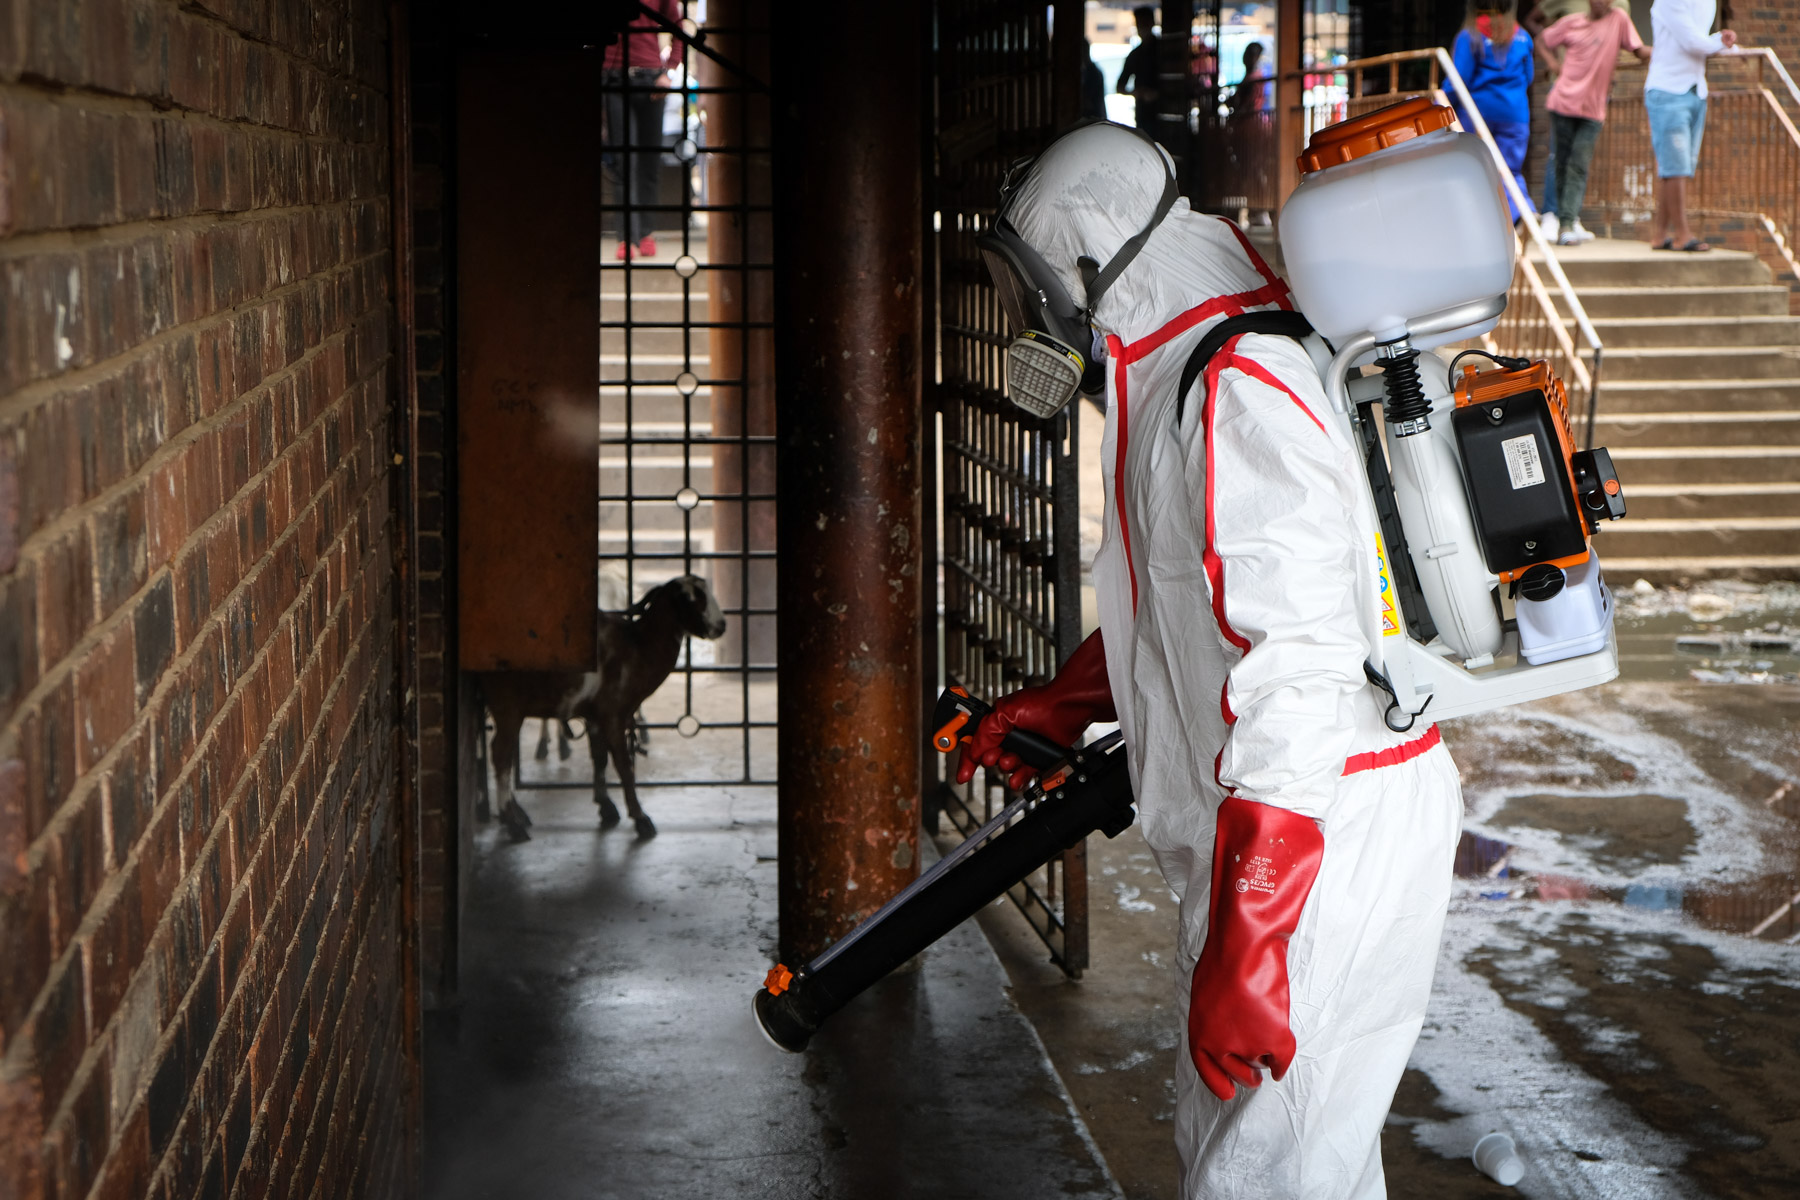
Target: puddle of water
<point x="1720" y="632"/>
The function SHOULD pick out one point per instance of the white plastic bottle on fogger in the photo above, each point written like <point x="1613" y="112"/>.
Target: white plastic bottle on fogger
<point x="1397" y="241"/>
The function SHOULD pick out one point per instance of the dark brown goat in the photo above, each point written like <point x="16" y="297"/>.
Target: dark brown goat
<point x="637" y="650"/>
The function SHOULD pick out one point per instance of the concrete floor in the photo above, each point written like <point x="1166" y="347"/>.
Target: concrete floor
<point x="604" y="1045"/>
<point x="1599" y="996"/>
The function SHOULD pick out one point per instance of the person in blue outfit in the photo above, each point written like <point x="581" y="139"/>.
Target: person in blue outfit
<point x="1495" y="59"/>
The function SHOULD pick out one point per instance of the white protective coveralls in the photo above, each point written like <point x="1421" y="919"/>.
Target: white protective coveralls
<point x="1239" y="595"/>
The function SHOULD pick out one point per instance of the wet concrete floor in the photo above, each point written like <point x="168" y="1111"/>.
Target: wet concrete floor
<point x="1599" y="996"/>
<point x="604" y="1045"/>
<point x="1619" y="986"/>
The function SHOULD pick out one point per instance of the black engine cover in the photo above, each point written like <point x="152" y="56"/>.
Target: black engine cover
<point x="1518" y="482"/>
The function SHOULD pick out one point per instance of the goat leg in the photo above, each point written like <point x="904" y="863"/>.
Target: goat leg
<point x="543" y="746"/>
<point x="504" y="752"/>
<point x="564" y="735"/>
<point x="609" y="812"/>
<point x="622" y="760"/>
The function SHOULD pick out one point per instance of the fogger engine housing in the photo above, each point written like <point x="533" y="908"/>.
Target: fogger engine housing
<point x="1512" y="432"/>
<point x="1397" y="240"/>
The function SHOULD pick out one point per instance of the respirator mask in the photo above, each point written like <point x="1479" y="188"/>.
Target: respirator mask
<point x="1051" y="359"/>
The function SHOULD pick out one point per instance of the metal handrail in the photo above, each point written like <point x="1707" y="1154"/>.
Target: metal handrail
<point x="1591" y="382"/>
<point x="1769" y="59"/>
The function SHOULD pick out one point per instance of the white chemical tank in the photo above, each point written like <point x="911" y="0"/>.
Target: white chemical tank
<point x="1397" y="217"/>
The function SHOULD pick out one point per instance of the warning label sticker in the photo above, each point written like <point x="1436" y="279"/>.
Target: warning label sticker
<point x="1523" y="465"/>
<point x="1390" y="615"/>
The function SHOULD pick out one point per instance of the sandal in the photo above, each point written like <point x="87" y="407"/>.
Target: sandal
<point x="1696" y="247"/>
<point x="1665" y="244"/>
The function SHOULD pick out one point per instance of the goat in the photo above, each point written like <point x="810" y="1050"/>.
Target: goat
<point x="615" y="596"/>
<point x="637" y="651"/>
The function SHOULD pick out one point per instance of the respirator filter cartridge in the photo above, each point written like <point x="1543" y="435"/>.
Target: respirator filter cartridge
<point x="1042" y="374"/>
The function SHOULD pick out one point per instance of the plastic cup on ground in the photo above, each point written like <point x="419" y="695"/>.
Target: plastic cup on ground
<point x="1497" y="1158"/>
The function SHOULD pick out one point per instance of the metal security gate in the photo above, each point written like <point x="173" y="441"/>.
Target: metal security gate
<point x="1010" y="552"/>
<point x="687" y="480"/>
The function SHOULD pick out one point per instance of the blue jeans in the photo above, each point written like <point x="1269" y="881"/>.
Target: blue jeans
<point x="1677" y="123"/>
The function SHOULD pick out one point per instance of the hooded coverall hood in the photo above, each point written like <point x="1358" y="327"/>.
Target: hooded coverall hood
<point x="1093" y="190"/>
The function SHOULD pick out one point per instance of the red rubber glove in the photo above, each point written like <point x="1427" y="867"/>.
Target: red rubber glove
<point x="1264" y="864"/>
<point x="1061" y="710"/>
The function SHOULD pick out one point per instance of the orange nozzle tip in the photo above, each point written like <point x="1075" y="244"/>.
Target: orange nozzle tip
<point x="777" y="980"/>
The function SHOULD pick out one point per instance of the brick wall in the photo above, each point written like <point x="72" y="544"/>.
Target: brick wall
<point x="199" y="914"/>
<point x="1771" y="23"/>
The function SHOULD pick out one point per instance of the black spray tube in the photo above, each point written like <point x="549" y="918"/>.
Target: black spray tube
<point x="1089" y="791"/>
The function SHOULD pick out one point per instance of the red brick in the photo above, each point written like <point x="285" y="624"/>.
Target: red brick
<point x="105" y="695"/>
<point x="202" y="474"/>
<point x="21" y="1128"/>
<point x="217" y="375"/>
<point x="113" y="951"/>
<point x="126" y="1174"/>
<point x="9" y="507"/>
<point x="165" y="510"/>
<point x="130" y="796"/>
<point x="119" y="547"/>
<point x="65" y="597"/>
<point x="47" y="744"/>
<point x="18" y="630"/>
<point x="15" y="831"/>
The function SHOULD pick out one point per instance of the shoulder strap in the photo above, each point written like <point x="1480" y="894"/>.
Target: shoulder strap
<point x="1274" y="322"/>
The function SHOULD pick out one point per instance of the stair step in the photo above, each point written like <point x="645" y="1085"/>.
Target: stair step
<point x="1661" y="268"/>
<point x="658" y="339"/>
<point x="667" y="299"/>
<point x="1639" y="465"/>
<point x="1712" y="501"/>
<point x="1682" y="537"/>
<point x="1703" y="395"/>
<point x="1609" y="302"/>
<point x="1701" y="362"/>
<point x="1660" y="569"/>
<point x="1618" y="333"/>
<point x="1769" y="427"/>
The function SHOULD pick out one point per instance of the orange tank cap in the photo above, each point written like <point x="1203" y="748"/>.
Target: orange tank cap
<point x="778" y="979"/>
<point x="1350" y="140"/>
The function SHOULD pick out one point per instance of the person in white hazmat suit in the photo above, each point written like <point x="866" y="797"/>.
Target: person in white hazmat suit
<point x="1311" y="847"/>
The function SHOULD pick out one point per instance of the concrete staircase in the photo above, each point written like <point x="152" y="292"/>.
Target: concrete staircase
<point x="1700" y="407"/>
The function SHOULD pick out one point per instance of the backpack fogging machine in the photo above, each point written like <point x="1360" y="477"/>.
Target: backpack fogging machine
<point x="1078" y="790"/>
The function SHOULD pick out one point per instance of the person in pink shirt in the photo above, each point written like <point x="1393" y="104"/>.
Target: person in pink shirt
<point x="634" y="78"/>
<point x="1590" y="43"/>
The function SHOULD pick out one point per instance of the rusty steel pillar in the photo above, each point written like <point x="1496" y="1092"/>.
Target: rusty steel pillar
<point x="848" y="338"/>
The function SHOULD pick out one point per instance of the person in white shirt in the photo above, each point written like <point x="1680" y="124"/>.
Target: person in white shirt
<point x="1675" y="98"/>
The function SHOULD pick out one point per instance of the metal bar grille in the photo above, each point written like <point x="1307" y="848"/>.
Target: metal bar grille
<point x="686" y="379"/>
<point x="1010" y="548"/>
